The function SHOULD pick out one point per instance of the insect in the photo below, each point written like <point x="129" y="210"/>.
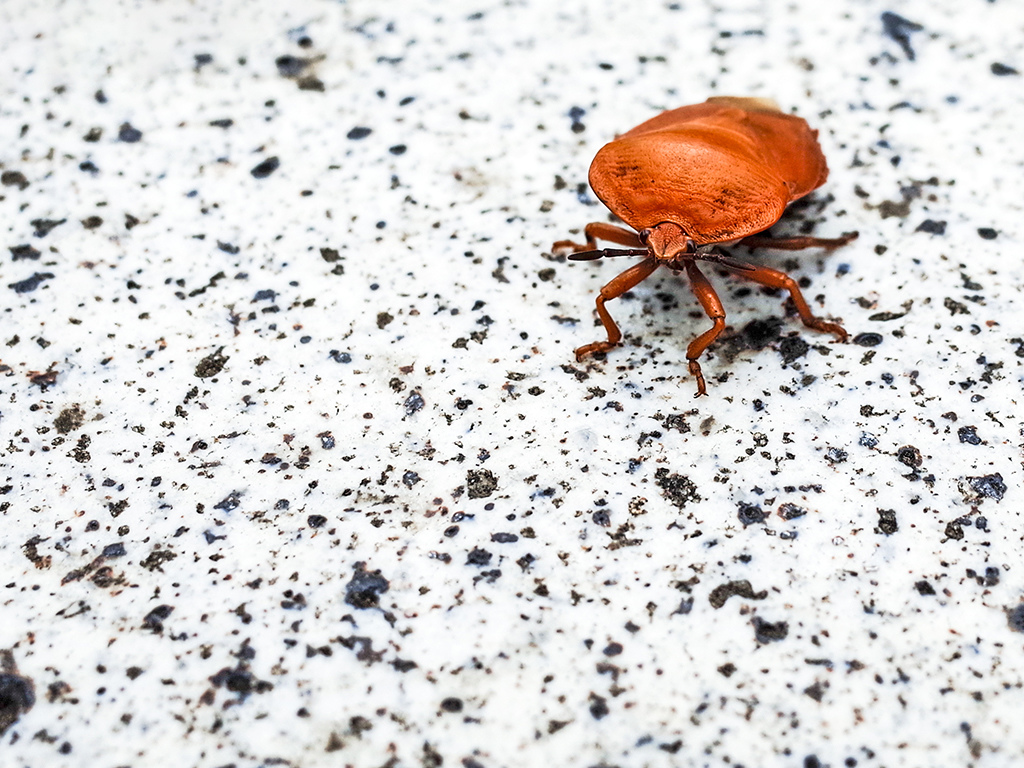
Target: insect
<point x="691" y="180"/>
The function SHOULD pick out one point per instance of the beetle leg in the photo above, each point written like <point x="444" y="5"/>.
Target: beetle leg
<point x="773" y="278"/>
<point x="624" y="282"/>
<point x="712" y="305"/>
<point x="797" y="243"/>
<point x="598" y="230"/>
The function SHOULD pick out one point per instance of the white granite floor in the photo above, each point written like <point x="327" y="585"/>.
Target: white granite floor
<point x="297" y="467"/>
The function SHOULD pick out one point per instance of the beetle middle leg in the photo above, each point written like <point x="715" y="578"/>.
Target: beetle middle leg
<point x="624" y="282"/>
<point x="712" y="305"/>
<point x="773" y="278"/>
<point x="598" y="230"/>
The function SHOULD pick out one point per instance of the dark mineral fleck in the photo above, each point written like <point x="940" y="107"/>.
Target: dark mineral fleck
<point x="266" y="168"/>
<point x="365" y="588"/>
<point x="769" y="632"/>
<point x="678" y="489"/>
<point x="991" y="486"/>
<point x="17" y="696"/>
<point x="481" y="483"/>
<point x="741" y="588"/>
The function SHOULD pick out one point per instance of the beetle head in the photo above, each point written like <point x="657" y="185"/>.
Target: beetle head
<point x="667" y="241"/>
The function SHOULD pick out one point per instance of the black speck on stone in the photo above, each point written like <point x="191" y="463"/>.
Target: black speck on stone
<point x="451" y="704"/>
<point x="341" y="357"/>
<point x="316" y="521"/>
<point x="598" y="706"/>
<point x="762" y="332"/>
<point x="720" y="594"/>
<point x="115" y="550"/>
<point x="1002" y="70"/>
<point x="750" y="514"/>
<point x="968" y="434"/>
<point x="13" y="179"/>
<point x="910" y="456"/>
<point x="43" y="227"/>
<point x="815" y="691"/>
<point x="991" y="486"/>
<point x="836" y="455"/>
<point x="212" y="364"/>
<point x="69" y="419"/>
<point x="504" y="538"/>
<point x="398" y="149"/>
<point x="365" y="588"/>
<point x="267" y="294"/>
<point x="898" y="28"/>
<point x="602" y="517"/>
<point x="228" y="247"/>
<point x="359" y="132"/>
<point x="229" y="502"/>
<point x="481" y="483"/>
<point x="413" y="403"/>
<point x="987" y="233"/>
<point x="887" y="523"/>
<point x="676" y="421"/>
<point x="223" y="122"/>
<point x="768" y="631"/>
<point x="1014" y="617"/>
<point x="290" y="66"/>
<point x="154" y="620"/>
<point x="240" y="680"/>
<point x="867" y="339"/>
<point x="613" y="649"/>
<point x="266" y="168"/>
<point x="24" y="252"/>
<point x="932" y="227"/>
<point x="954" y="530"/>
<point x="678" y="489"/>
<point x="29" y="284"/>
<point x="924" y="588"/>
<point x="685" y="607"/>
<point x="791" y="511"/>
<point x="793" y="348"/>
<point x="478" y="556"/>
<point x="128" y="134"/>
<point x="410" y="478"/>
<point x="93" y="135"/>
<point x="17" y="696"/>
<point x="202" y="59"/>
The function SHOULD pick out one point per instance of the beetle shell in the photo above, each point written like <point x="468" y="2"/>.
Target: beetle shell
<point x="721" y="170"/>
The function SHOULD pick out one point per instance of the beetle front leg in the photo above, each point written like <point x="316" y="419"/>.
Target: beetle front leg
<point x="712" y="305"/>
<point x="797" y="243"/>
<point x="598" y="230"/>
<point x="773" y="278"/>
<point x="624" y="282"/>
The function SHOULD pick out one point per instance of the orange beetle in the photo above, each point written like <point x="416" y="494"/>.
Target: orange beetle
<point x="696" y="177"/>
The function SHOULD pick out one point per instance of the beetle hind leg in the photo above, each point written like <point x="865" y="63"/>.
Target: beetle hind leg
<point x="618" y="286"/>
<point x="797" y="243"/>
<point x="712" y="305"/>
<point x="598" y="230"/>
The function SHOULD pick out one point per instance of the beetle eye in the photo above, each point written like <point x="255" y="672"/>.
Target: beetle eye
<point x="643" y="234"/>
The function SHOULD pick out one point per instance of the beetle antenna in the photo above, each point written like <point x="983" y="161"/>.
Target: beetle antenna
<point x="607" y="252"/>
<point x="720" y="256"/>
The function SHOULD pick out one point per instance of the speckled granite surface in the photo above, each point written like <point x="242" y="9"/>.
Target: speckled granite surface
<point x="298" y="468"/>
